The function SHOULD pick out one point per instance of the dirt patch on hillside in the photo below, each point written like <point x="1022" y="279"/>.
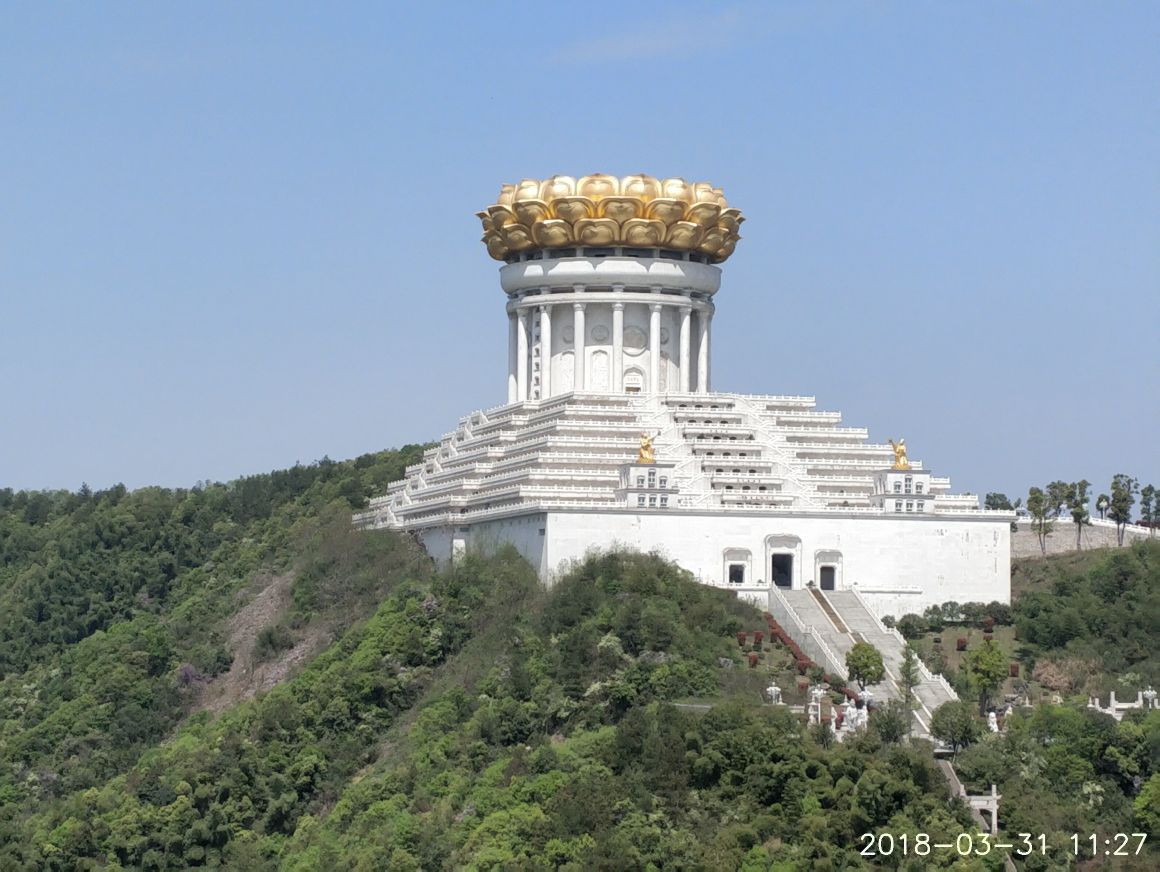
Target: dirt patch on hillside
<point x="245" y="678"/>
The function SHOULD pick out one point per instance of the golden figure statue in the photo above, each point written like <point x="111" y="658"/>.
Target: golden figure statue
<point x="646" y="454"/>
<point x="900" y="461"/>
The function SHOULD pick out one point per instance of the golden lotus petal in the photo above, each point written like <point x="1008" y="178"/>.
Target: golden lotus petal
<point x="552" y="233"/>
<point x="557" y="186"/>
<point x="501" y="216"/>
<point x="598" y="186"/>
<point x="703" y="192"/>
<point x="531" y="211"/>
<point x="527" y="189"/>
<point x="506" y="194"/>
<point x="619" y="209"/>
<point x="573" y="208"/>
<point x="640" y="186"/>
<point x="495" y="245"/>
<point x="677" y="189"/>
<point x="644" y="232"/>
<point x="705" y="214"/>
<point x="596" y="231"/>
<point x="712" y="241"/>
<point x="730" y="219"/>
<point x="518" y="237"/>
<point x="667" y="210"/>
<point x="726" y="249"/>
<point x="684" y="234"/>
<point x="485" y="219"/>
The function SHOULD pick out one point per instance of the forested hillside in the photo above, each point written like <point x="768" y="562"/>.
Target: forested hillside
<point x="468" y="718"/>
<point x="114" y="606"/>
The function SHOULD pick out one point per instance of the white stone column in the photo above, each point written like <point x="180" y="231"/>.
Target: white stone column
<point x="654" y="348"/>
<point x="703" y="318"/>
<point x="545" y="352"/>
<point x="579" y="383"/>
<point x="618" y="347"/>
<point x="513" y="356"/>
<point x="522" y="355"/>
<point x="686" y="317"/>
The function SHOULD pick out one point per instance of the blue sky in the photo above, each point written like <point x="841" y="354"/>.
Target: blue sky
<point x="236" y="236"/>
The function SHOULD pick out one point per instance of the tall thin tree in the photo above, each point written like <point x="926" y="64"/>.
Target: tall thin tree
<point x="1124" y="490"/>
<point x="1077" y="503"/>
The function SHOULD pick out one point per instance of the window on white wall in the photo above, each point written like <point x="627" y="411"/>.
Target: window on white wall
<point x="909" y="506"/>
<point x="898" y="505"/>
<point x="898" y="487"/>
<point x="640" y="500"/>
<point x="918" y="487"/>
<point x="737" y="573"/>
<point x="921" y="506"/>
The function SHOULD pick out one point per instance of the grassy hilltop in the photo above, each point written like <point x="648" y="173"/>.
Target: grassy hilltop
<point x="231" y="676"/>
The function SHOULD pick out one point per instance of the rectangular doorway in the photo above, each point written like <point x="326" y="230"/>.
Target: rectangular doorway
<point x="783" y="570"/>
<point x="827" y="573"/>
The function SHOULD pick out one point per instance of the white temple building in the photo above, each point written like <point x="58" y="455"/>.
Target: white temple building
<point x="612" y="433"/>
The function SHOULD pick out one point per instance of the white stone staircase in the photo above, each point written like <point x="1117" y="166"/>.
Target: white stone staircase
<point x="842" y="618"/>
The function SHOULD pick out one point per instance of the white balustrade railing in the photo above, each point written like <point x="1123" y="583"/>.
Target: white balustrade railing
<point x="923" y="670"/>
<point x="808" y="637"/>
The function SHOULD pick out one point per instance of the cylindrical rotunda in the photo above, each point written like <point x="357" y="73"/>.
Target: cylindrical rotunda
<point x="610" y="282"/>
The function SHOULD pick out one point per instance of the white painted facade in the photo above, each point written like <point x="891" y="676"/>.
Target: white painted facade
<point x="606" y="344"/>
<point x="604" y="321"/>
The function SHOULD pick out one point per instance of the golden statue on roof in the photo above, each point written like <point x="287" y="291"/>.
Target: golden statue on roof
<point x="900" y="461"/>
<point x="646" y="453"/>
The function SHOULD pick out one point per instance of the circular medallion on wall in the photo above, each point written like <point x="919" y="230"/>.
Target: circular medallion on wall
<point x="599" y="333"/>
<point x="568" y="334"/>
<point x="664" y="335"/>
<point x="634" y="340"/>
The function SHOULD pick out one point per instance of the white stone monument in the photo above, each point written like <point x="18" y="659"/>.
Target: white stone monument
<point x="611" y="287"/>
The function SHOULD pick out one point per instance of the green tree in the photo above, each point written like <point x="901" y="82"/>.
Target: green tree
<point x="1058" y="497"/>
<point x="912" y="626"/>
<point x="1077" y="504"/>
<point x="1102" y="503"/>
<point x="986" y="666"/>
<point x="1147" y="805"/>
<point x="1039" y="508"/>
<point x="998" y="502"/>
<point x="909" y="674"/>
<point x="892" y="721"/>
<point x="1124" y="490"/>
<point x="956" y="724"/>
<point x="864" y="664"/>
<point x="1149" y="507"/>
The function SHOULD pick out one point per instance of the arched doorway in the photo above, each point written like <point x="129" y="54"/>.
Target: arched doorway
<point x="783" y="557"/>
<point x="828" y="569"/>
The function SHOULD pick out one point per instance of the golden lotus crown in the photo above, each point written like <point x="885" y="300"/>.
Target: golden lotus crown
<point x="600" y="210"/>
